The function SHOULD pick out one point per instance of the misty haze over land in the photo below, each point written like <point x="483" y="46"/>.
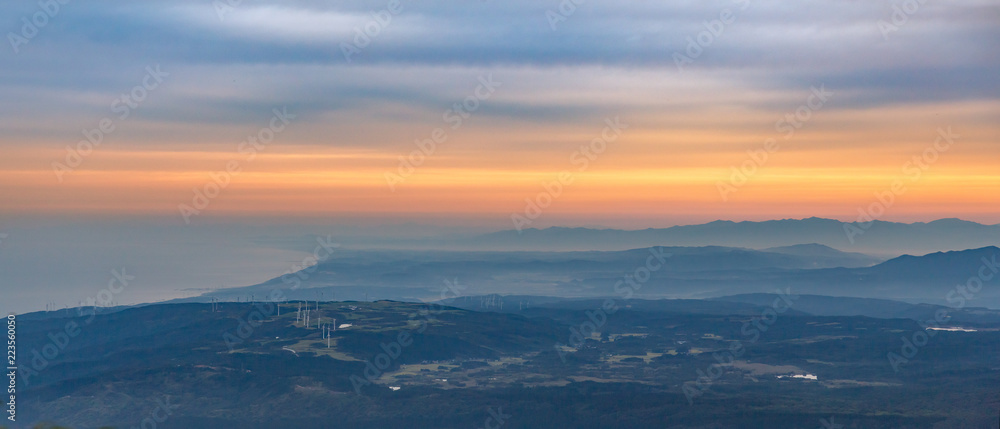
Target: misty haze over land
<point x="517" y="214"/>
<point x="172" y="263"/>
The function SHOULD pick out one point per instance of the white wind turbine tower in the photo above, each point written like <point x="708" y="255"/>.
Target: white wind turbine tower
<point x="318" y="317"/>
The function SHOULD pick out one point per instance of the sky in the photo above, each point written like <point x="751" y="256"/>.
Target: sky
<point x="481" y="114"/>
<point x="356" y="104"/>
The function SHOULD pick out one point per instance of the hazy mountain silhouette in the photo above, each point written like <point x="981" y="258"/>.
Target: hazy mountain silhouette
<point x="688" y="272"/>
<point x="882" y="238"/>
<point x="825" y="256"/>
<point x="419" y="275"/>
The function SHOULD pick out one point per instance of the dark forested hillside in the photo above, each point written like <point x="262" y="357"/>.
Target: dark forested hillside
<point x="566" y="363"/>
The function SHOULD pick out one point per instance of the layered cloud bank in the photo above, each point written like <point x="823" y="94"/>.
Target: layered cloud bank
<point x="717" y="95"/>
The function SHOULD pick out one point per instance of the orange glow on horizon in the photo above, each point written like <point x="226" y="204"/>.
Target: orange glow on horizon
<point x="826" y="169"/>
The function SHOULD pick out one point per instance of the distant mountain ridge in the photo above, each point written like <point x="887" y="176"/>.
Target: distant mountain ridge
<point x="688" y="272"/>
<point x="825" y="255"/>
<point x="930" y="278"/>
<point x="966" y="260"/>
<point x="880" y="237"/>
<point x="414" y="275"/>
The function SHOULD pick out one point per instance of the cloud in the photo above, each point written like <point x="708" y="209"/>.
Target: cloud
<point x="264" y="53"/>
